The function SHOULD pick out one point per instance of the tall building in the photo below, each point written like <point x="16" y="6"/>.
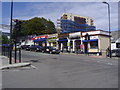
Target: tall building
<point x="74" y="23"/>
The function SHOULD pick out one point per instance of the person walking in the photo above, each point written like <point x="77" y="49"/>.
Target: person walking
<point x="108" y="52"/>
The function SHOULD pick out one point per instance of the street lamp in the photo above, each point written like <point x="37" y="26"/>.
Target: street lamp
<point x="109" y="26"/>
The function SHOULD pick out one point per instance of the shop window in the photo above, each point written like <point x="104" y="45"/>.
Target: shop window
<point x="94" y="45"/>
<point x="54" y="44"/>
<point x="117" y="45"/>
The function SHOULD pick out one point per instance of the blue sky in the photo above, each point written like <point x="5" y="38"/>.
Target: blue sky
<point x="53" y="11"/>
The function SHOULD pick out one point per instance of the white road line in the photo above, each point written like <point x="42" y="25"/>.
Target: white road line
<point x="33" y="67"/>
<point x="109" y="63"/>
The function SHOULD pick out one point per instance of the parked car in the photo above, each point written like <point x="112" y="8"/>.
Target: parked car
<point x="23" y="46"/>
<point x="50" y="49"/>
<point x="35" y="48"/>
<point x="27" y="47"/>
<point x="17" y="47"/>
<point x="116" y="53"/>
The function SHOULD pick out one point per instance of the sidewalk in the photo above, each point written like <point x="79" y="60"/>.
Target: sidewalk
<point x="4" y="63"/>
<point x="90" y="55"/>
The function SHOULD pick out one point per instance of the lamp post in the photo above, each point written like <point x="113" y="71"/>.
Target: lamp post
<point x="10" y="58"/>
<point x="109" y="26"/>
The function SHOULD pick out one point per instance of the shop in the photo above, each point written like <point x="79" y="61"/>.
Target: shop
<point x="63" y="42"/>
<point x="95" y="42"/>
<point x="40" y="40"/>
<point x="75" y="42"/>
<point x="52" y="40"/>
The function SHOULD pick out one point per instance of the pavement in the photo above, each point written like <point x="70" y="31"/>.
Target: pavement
<point x="4" y="63"/>
<point x="92" y="55"/>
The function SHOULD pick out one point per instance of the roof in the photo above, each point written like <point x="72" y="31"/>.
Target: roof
<point x="118" y="40"/>
<point x="115" y="35"/>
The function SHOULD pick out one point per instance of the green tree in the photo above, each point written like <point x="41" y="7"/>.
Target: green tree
<point x="36" y="26"/>
<point x="5" y="39"/>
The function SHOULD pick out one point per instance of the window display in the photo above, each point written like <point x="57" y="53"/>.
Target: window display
<point x="94" y="45"/>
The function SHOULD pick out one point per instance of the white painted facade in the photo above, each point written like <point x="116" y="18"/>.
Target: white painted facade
<point x="114" y="45"/>
<point x="96" y="32"/>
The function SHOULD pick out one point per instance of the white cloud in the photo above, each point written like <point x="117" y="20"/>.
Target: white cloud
<point x="53" y="11"/>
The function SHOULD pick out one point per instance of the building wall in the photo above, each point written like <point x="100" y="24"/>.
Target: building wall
<point x="71" y="16"/>
<point x="103" y="43"/>
<point x="74" y="23"/>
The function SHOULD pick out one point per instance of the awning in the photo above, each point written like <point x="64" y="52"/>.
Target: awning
<point x="93" y="40"/>
<point x="38" y="40"/>
<point x="39" y="37"/>
<point x="85" y="40"/>
<point x="62" y="40"/>
<point x="90" y="40"/>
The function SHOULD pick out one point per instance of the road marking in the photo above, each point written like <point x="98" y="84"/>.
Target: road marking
<point x="33" y="67"/>
<point x="109" y="63"/>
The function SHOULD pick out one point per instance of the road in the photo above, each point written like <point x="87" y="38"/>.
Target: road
<point x="62" y="71"/>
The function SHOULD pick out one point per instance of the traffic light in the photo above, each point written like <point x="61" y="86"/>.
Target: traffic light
<point x="17" y="25"/>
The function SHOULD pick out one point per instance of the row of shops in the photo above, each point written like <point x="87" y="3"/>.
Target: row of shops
<point x="91" y="42"/>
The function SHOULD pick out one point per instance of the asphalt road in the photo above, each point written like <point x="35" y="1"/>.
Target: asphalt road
<point x="62" y="71"/>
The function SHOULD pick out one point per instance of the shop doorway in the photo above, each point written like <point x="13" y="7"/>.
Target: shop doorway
<point x="85" y="47"/>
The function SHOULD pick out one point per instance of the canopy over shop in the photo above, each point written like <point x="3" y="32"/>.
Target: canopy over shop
<point x="40" y="40"/>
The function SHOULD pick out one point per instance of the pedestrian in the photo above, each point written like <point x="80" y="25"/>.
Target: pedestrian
<point x="108" y="51"/>
<point x="81" y="48"/>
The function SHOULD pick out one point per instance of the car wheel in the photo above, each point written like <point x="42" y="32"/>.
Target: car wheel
<point x="43" y="51"/>
<point x="50" y="52"/>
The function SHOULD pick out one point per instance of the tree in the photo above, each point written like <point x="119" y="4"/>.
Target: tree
<point x="36" y="26"/>
<point x="5" y="39"/>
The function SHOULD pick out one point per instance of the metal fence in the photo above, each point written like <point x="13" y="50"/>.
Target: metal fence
<point x="16" y="57"/>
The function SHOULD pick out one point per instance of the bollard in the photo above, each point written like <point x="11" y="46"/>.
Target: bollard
<point x="10" y="54"/>
<point x="4" y="50"/>
<point x="19" y="55"/>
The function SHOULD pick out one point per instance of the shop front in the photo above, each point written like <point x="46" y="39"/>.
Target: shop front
<point x="40" y="40"/>
<point x="96" y="42"/>
<point x="75" y="42"/>
<point x="52" y="40"/>
<point x="90" y="46"/>
<point x="63" y="42"/>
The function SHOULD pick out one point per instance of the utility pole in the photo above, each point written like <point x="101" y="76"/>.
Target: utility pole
<point x="10" y="58"/>
<point x="109" y="26"/>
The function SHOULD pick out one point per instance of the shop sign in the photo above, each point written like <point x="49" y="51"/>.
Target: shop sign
<point x="38" y="37"/>
<point x="91" y="37"/>
<point x="53" y="39"/>
<point x="74" y="35"/>
<point x="95" y="32"/>
<point x="51" y="36"/>
<point x="63" y="35"/>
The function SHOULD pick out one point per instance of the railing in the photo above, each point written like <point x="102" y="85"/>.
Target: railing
<point x="5" y="48"/>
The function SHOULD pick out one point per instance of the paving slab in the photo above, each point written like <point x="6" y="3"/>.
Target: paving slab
<point x="5" y="63"/>
<point x="14" y="65"/>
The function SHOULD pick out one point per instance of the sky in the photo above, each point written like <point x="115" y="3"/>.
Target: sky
<point x="98" y="11"/>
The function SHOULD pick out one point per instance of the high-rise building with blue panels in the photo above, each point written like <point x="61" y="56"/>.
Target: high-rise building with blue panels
<point x="74" y="23"/>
